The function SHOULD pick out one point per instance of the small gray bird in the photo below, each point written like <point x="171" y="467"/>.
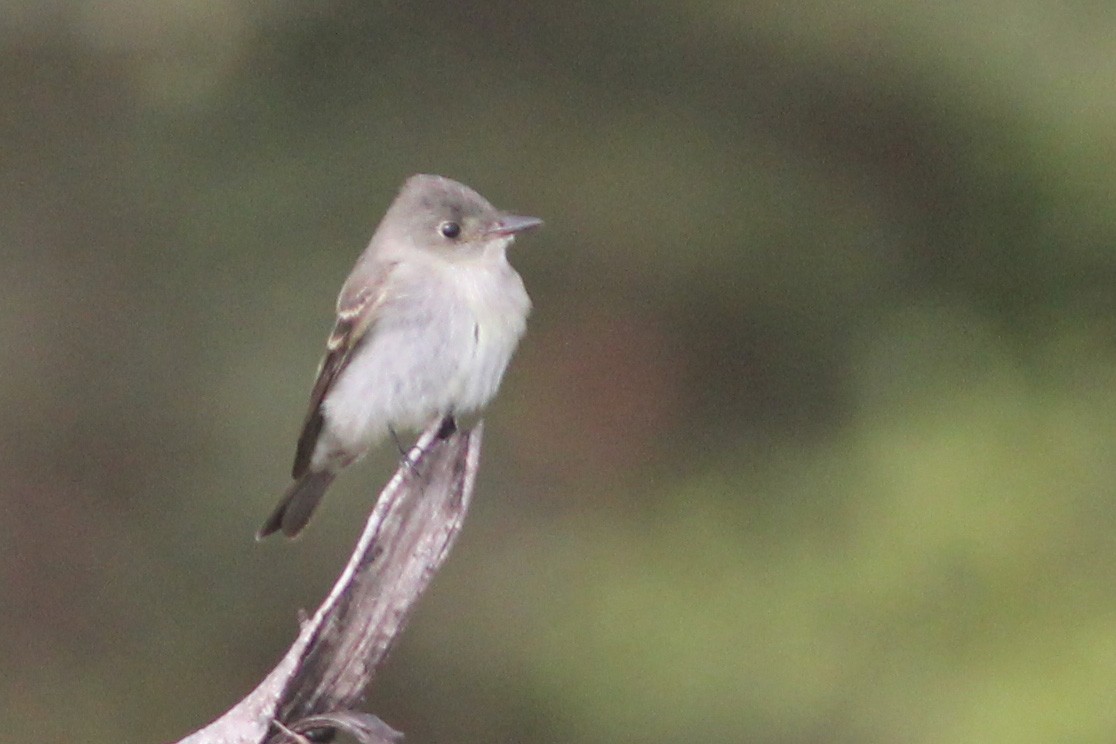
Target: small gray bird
<point x="426" y="324"/>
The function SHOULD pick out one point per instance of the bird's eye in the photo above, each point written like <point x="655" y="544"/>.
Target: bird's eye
<point x="450" y="229"/>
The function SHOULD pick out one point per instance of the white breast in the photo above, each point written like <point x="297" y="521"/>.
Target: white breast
<point x="440" y="347"/>
<point x="497" y="301"/>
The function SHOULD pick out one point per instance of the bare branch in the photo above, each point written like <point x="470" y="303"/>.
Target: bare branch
<point x="314" y="689"/>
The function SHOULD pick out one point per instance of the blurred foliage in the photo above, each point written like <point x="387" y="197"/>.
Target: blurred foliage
<point x="811" y="439"/>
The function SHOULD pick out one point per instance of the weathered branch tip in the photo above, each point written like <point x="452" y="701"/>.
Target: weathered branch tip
<point x="311" y="694"/>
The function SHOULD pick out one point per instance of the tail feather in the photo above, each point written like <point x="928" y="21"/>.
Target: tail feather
<point x="297" y="504"/>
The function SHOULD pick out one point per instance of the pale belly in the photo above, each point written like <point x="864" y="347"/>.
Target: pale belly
<point x="443" y="351"/>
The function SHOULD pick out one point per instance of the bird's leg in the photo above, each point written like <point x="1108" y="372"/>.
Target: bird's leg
<point x="447" y="428"/>
<point x="404" y="453"/>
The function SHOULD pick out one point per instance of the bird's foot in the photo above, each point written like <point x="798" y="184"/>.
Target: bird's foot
<point x="448" y="428"/>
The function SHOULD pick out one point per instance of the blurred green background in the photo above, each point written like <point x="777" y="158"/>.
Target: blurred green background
<point x="812" y="437"/>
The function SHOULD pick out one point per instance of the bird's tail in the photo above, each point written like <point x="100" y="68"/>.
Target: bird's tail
<point x="297" y="504"/>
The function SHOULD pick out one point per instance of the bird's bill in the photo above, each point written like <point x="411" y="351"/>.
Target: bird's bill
<point x="510" y="224"/>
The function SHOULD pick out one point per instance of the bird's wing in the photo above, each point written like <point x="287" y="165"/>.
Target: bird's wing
<point x="356" y="313"/>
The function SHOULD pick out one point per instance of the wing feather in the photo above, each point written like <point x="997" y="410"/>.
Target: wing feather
<point x="355" y="316"/>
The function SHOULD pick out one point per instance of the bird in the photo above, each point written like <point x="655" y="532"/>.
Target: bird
<point x="426" y="324"/>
